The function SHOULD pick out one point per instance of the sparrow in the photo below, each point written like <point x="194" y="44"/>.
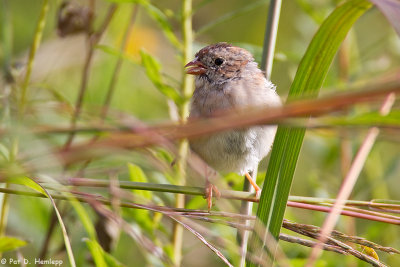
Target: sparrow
<point x="228" y="79"/>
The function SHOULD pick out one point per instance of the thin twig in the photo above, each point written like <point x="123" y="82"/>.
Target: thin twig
<point x="314" y="231"/>
<point x="295" y="109"/>
<point x="146" y="137"/>
<point x="202" y="239"/>
<point x="328" y="247"/>
<point x="346" y="212"/>
<point x="145" y="242"/>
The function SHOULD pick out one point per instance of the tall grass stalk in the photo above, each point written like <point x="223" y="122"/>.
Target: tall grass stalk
<point x="271" y="32"/>
<point x="183" y="109"/>
<point x="32" y="53"/>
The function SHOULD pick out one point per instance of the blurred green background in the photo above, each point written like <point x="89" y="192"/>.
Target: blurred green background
<point x="372" y="53"/>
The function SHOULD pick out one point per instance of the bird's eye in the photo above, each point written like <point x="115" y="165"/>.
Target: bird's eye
<point x="218" y="61"/>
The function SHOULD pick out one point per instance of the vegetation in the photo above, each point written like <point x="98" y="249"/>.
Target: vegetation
<point x="94" y="160"/>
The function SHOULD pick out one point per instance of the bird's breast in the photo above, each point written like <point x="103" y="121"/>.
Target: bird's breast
<point x="207" y="100"/>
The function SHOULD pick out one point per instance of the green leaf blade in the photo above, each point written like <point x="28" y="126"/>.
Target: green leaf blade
<point x="8" y="243"/>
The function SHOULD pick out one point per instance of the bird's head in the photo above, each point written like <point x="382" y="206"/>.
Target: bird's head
<point x="219" y="63"/>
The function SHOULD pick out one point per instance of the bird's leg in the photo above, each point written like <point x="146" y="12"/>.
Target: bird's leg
<point x="253" y="183"/>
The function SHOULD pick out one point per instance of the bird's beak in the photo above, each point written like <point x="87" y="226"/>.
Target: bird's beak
<point x="195" y="67"/>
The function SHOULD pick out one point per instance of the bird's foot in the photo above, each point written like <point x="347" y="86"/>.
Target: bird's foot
<point x="253" y="183"/>
<point x="209" y="194"/>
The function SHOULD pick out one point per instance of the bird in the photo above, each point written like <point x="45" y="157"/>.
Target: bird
<point x="228" y="79"/>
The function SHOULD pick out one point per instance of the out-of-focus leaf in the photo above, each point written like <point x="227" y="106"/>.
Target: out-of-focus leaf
<point x="56" y="94"/>
<point x="162" y="20"/>
<point x="84" y="217"/>
<point x="98" y="256"/>
<point x="136" y="174"/>
<point x="169" y="251"/>
<point x="369" y="119"/>
<point x="196" y="203"/>
<point x="156" y="14"/>
<point x="4" y="152"/>
<point x="8" y="243"/>
<point x="153" y="71"/>
<point x="238" y="12"/>
<point x="95" y="248"/>
<point x="96" y="251"/>
<point x="22" y="180"/>
<point x="114" y="52"/>
<point x="391" y="10"/>
<point x="142" y="217"/>
<point x="164" y="155"/>
<point x="313" y="10"/>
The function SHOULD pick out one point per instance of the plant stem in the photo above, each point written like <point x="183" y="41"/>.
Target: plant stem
<point x="187" y="87"/>
<point x="271" y="31"/>
<point x="4" y="213"/>
<point x="83" y="197"/>
<point x="118" y="64"/>
<point x="384" y="205"/>
<point x="93" y="39"/>
<point x="32" y="53"/>
<point x="114" y="78"/>
<point x="246" y="208"/>
<point x="22" y="101"/>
